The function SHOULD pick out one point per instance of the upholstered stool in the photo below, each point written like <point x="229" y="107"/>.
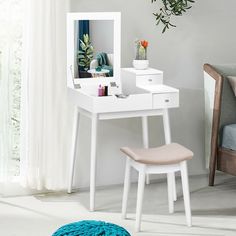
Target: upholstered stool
<point x="165" y="159"/>
<point x="91" y="228"/>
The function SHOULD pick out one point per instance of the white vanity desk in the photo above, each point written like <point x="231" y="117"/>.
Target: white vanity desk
<point x="147" y="96"/>
<point x="155" y="102"/>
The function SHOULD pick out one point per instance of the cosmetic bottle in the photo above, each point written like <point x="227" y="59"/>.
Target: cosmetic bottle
<point x="105" y="90"/>
<point x="100" y="90"/>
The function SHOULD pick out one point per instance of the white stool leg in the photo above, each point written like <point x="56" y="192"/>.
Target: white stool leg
<point x="93" y="161"/>
<point x="126" y="188"/>
<point x="145" y="139"/>
<point x="185" y="185"/>
<point x="170" y="192"/>
<point x="166" y="123"/>
<point x="141" y="184"/>
<point x="174" y="186"/>
<point x="73" y="148"/>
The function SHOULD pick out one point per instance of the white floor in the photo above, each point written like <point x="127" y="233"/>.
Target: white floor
<point x="213" y="209"/>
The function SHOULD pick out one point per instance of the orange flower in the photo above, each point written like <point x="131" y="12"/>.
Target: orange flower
<point x="144" y="43"/>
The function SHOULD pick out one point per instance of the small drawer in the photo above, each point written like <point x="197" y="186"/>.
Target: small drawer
<point x="165" y="100"/>
<point x="149" y="79"/>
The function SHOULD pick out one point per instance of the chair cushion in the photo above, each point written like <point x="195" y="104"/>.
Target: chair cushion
<point x="229" y="137"/>
<point x="168" y="154"/>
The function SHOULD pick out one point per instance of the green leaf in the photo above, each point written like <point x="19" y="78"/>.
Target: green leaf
<point x="169" y="9"/>
<point x="85" y="55"/>
<point x="82" y="45"/>
<point x="164" y="29"/>
<point x="80" y="56"/>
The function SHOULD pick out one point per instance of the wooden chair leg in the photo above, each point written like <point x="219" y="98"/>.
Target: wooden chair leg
<point x="141" y="184"/>
<point x="212" y="169"/>
<point x="170" y="192"/>
<point x="126" y="188"/>
<point x="185" y="185"/>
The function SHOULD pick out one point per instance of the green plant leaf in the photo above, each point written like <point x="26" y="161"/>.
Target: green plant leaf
<point x="171" y="8"/>
<point x="80" y="56"/>
<point x="85" y="55"/>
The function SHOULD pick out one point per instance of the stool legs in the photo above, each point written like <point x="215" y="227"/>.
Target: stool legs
<point x="166" y="123"/>
<point x="142" y="170"/>
<point x="174" y="187"/>
<point x="185" y="186"/>
<point x="126" y="188"/>
<point x="170" y="192"/>
<point x="141" y="184"/>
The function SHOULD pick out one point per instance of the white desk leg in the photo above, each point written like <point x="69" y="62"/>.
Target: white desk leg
<point x="73" y="148"/>
<point x="93" y="161"/>
<point x="166" y="122"/>
<point x="145" y="139"/>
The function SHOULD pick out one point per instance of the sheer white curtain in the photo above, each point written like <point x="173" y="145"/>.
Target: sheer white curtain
<point x="45" y="121"/>
<point x="11" y="14"/>
<point x="4" y="121"/>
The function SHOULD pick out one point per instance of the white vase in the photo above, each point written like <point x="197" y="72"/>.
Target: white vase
<point x="140" y="64"/>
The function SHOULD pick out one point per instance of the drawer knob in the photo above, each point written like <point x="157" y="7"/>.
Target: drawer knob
<point x="167" y="100"/>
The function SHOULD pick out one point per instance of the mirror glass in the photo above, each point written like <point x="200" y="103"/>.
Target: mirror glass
<point x="94" y="48"/>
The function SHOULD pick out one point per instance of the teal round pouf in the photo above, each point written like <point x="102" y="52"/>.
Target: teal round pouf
<point x="91" y="228"/>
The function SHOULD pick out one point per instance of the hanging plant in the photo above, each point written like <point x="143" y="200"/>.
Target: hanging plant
<point x="171" y="8"/>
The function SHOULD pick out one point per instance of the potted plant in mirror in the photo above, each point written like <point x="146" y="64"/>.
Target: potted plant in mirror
<point x="140" y="62"/>
<point x="85" y="56"/>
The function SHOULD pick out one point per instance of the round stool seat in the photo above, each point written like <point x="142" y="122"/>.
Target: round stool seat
<point x="165" y="155"/>
<point x="91" y="228"/>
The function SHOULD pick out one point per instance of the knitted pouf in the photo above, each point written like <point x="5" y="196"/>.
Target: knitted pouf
<point x="91" y="228"/>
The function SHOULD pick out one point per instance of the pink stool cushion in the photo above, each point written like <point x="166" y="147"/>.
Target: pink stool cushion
<point x="168" y="154"/>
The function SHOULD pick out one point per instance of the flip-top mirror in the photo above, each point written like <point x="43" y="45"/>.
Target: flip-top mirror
<point x="93" y="47"/>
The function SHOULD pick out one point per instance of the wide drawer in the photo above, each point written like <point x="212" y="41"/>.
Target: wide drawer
<point x="113" y="104"/>
<point x="149" y="79"/>
<point x="165" y="100"/>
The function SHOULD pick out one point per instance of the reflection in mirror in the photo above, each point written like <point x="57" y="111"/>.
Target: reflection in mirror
<point x="94" y="48"/>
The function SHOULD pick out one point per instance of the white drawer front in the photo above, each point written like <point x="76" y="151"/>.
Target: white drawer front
<point x="149" y="79"/>
<point x="132" y="103"/>
<point x="165" y="100"/>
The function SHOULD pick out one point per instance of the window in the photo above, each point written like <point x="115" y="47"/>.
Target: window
<point x="11" y="21"/>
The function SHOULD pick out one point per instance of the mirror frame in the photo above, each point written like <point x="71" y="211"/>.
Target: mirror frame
<point x="71" y="18"/>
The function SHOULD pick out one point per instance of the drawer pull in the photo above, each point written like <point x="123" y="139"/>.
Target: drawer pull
<point x="150" y="80"/>
<point x="167" y="100"/>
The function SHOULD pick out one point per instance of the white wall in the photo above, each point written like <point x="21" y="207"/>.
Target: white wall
<point x="206" y="33"/>
<point x="101" y="33"/>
